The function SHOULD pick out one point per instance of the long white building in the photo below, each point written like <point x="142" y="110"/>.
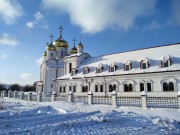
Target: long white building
<point x="155" y="70"/>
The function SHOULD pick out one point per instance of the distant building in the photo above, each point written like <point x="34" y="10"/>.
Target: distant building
<point x="154" y="70"/>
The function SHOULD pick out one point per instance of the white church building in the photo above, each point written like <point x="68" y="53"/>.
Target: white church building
<point x="155" y="70"/>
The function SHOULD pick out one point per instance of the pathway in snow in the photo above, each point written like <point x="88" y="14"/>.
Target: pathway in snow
<point x="37" y="119"/>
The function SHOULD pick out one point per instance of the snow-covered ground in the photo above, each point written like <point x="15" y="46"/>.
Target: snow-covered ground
<point x="53" y="118"/>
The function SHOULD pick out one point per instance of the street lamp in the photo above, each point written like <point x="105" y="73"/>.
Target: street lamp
<point x="89" y="82"/>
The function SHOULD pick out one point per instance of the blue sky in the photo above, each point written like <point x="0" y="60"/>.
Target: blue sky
<point x="105" y="27"/>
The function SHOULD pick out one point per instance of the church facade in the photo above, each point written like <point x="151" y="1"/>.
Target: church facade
<point x="154" y="70"/>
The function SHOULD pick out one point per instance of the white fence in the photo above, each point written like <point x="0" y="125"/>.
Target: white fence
<point x="143" y="101"/>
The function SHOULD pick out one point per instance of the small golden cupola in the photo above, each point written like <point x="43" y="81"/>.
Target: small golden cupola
<point x="60" y="42"/>
<point x="51" y="47"/>
<point x="74" y="49"/>
<point x="45" y="54"/>
<point x="80" y="47"/>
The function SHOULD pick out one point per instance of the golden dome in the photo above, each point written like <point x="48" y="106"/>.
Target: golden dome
<point x="80" y="45"/>
<point x="73" y="50"/>
<point x="51" y="47"/>
<point x="61" y="43"/>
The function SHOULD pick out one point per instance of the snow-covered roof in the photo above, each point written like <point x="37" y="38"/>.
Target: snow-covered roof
<point x="153" y="55"/>
<point x="73" y="55"/>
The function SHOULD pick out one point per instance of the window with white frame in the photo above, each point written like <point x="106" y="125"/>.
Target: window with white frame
<point x="62" y="53"/>
<point x="113" y="67"/>
<point x="127" y="66"/>
<point x="168" y="86"/>
<point x="73" y="72"/>
<point x="101" y="88"/>
<point x="141" y="87"/>
<point x="74" y="88"/>
<point x="96" y="87"/>
<point x="112" y="87"/>
<point x="144" y="64"/>
<point x="51" y="54"/>
<point x="99" y="69"/>
<point x="86" y="70"/>
<point x="128" y="87"/>
<point x="70" y="67"/>
<point x="149" y="87"/>
<point x="166" y="62"/>
<point x="145" y="86"/>
<point x="60" y="89"/>
<point x="85" y="88"/>
<point x="69" y="88"/>
<point x="64" y="89"/>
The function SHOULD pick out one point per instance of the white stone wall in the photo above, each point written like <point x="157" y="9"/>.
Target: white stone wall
<point x="75" y="61"/>
<point x="59" y="49"/>
<point x="155" y="78"/>
<point x="49" y="84"/>
<point x="49" y="52"/>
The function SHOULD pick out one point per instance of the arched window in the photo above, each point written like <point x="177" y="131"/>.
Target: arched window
<point x="141" y="87"/>
<point x="86" y="88"/>
<point x="60" y="89"/>
<point x="96" y="88"/>
<point x="144" y="64"/>
<point x="70" y="67"/>
<point x="101" y="88"/>
<point x="165" y="86"/>
<point x="149" y="87"/>
<point x="168" y="86"/>
<point x="74" y="88"/>
<point x="86" y="70"/>
<point x="110" y="88"/>
<point x="166" y="61"/>
<point x="114" y="87"/>
<point x="113" y="67"/>
<point x="62" y="54"/>
<point x="125" y="88"/>
<point x="100" y="68"/>
<point x="64" y="89"/>
<point x="127" y="66"/>
<point x="128" y="87"/>
<point x="171" y="86"/>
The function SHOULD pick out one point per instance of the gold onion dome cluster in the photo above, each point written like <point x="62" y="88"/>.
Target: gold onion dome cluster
<point x="60" y="42"/>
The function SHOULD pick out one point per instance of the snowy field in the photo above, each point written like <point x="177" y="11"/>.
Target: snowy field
<point x="61" y="118"/>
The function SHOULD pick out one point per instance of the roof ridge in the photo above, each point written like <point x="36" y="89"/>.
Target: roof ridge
<point x="137" y="49"/>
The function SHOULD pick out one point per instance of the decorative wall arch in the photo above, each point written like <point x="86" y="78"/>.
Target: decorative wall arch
<point x="129" y="83"/>
<point x="168" y="81"/>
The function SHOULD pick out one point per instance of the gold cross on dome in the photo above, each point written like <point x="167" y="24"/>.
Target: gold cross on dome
<point x="74" y="41"/>
<point x="51" y="36"/>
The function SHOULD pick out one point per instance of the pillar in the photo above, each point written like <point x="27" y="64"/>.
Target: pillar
<point x="143" y="99"/>
<point x="15" y="94"/>
<point x="1" y="94"/>
<point x="21" y="95"/>
<point x="53" y="96"/>
<point x="9" y="94"/>
<point x="30" y="96"/>
<point x="178" y="96"/>
<point x="70" y="97"/>
<point x="4" y="93"/>
<point x="114" y="98"/>
<point x="90" y="96"/>
<point x="39" y="98"/>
